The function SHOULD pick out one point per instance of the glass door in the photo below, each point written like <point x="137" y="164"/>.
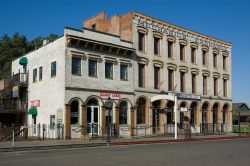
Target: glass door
<point x="93" y="120"/>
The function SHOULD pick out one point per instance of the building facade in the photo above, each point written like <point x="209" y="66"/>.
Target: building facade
<point x="131" y="58"/>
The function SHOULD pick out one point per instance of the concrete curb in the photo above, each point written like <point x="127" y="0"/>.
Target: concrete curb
<point x="68" y="146"/>
<point x="49" y="147"/>
<point x="176" y="141"/>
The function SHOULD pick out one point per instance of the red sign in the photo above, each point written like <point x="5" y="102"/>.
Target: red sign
<point x="114" y="96"/>
<point x="35" y="103"/>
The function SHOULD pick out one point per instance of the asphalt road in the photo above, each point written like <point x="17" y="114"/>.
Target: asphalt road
<point x="213" y="153"/>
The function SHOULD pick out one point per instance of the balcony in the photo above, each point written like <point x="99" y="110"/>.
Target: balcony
<point x="7" y="105"/>
<point x="18" y="79"/>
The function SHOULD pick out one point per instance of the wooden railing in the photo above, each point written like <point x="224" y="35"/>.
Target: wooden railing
<point x="12" y="104"/>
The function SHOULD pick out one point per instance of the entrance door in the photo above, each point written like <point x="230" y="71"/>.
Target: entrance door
<point x="156" y="120"/>
<point x="93" y="120"/>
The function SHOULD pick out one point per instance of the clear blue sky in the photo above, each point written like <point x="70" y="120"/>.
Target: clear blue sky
<point x="225" y="19"/>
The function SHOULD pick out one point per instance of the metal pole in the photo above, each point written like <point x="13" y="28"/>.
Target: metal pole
<point x="108" y="125"/>
<point x="239" y="120"/>
<point x="13" y="138"/>
<point x="175" y="117"/>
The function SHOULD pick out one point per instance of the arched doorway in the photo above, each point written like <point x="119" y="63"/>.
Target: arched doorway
<point x="182" y="116"/>
<point x="141" y="111"/>
<point x="215" y="111"/>
<point x="204" y="117"/>
<point x="225" y="112"/>
<point x="93" y="117"/>
<point x="74" y="112"/>
<point x="156" y="116"/>
<point x="170" y="110"/>
<point x="123" y="113"/>
<point x="204" y="111"/>
<point x="193" y="113"/>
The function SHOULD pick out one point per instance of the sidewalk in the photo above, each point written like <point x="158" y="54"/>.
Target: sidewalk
<point x="79" y="143"/>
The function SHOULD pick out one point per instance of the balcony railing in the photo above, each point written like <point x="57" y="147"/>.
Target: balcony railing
<point x="12" y="104"/>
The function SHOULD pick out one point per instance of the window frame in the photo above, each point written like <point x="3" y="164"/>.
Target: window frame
<point x="92" y="74"/>
<point x="112" y="69"/>
<point x="35" y="75"/>
<point x="170" y="49"/>
<point x="157" y="77"/>
<point x="182" y="52"/>
<point x="126" y="73"/>
<point x="141" y="77"/>
<point x="53" y="70"/>
<point x="157" y="43"/>
<point x="141" y="41"/>
<point x="78" y="69"/>
<point x="170" y="81"/>
<point x="193" y="55"/>
<point x="182" y="81"/>
<point x="40" y="73"/>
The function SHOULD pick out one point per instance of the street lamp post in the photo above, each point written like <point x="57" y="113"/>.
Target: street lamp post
<point x="109" y="106"/>
<point x="239" y="121"/>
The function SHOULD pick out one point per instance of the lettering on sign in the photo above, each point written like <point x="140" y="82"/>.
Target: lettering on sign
<point x="35" y="103"/>
<point x="114" y="96"/>
<point x="178" y="34"/>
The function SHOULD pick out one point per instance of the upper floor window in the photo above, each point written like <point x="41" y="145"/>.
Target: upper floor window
<point x="141" y="41"/>
<point x="156" y="77"/>
<point x="92" y="68"/>
<point x="193" y="55"/>
<point x="53" y="69"/>
<point x="170" y="49"/>
<point x="182" y="81"/>
<point x="76" y="65"/>
<point x="193" y="83"/>
<point x="156" y="45"/>
<point x="34" y="75"/>
<point x="93" y="27"/>
<point x="204" y="57"/>
<point x="109" y="70"/>
<point x="205" y="85"/>
<point x="182" y="52"/>
<point x="170" y="80"/>
<point x="215" y="86"/>
<point x="215" y="60"/>
<point x="40" y="73"/>
<point x="224" y="87"/>
<point x="141" y="75"/>
<point x="124" y="72"/>
<point x="224" y="62"/>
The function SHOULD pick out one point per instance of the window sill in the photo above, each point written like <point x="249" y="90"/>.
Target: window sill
<point x="124" y="80"/>
<point x="143" y="52"/>
<point x="53" y="76"/>
<point x="76" y="75"/>
<point x="93" y="76"/>
<point x="109" y="78"/>
<point x="34" y="82"/>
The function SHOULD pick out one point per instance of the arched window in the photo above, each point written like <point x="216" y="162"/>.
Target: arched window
<point x="204" y="110"/>
<point x="224" y="113"/>
<point x="74" y="113"/>
<point x="123" y="112"/>
<point x="193" y="113"/>
<point x="215" y="113"/>
<point x="141" y="111"/>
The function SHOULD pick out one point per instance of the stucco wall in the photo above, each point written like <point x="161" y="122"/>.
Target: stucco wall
<point x="50" y="91"/>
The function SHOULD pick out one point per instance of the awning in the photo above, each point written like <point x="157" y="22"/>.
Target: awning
<point x="23" y="61"/>
<point x="32" y="111"/>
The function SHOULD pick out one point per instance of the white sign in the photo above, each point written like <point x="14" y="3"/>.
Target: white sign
<point x="178" y="34"/>
<point x="183" y="109"/>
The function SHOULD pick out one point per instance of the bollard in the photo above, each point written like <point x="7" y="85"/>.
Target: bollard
<point x="13" y="138"/>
